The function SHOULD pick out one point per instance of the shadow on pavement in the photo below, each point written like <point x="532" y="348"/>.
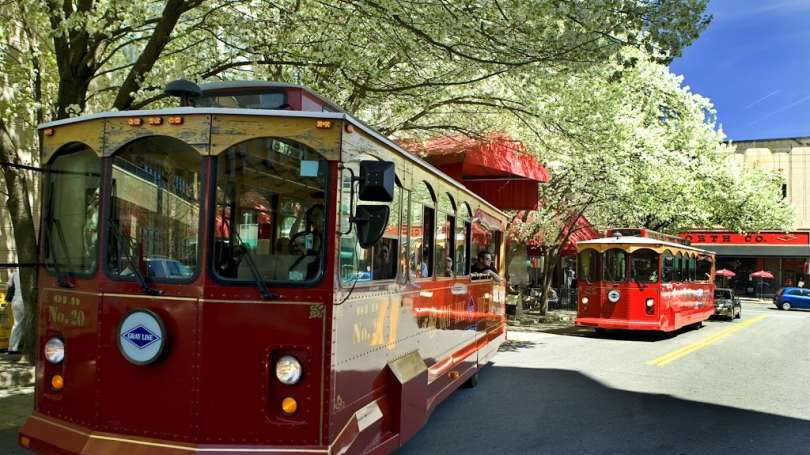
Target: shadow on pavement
<point x="792" y="310"/>
<point x="515" y="345"/>
<point x="14" y="409"/>
<point x="545" y="411"/>
<point x="621" y="335"/>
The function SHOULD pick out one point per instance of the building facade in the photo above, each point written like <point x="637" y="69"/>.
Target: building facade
<point x="786" y="255"/>
<point x="789" y="157"/>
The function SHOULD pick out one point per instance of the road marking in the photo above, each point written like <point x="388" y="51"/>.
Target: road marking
<point x="688" y="349"/>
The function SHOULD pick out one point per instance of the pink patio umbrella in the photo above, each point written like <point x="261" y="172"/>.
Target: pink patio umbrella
<point x="761" y="274"/>
<point x="725" y="273"/>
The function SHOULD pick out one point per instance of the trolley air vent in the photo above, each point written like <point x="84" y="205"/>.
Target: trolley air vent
<point x="184" y="89"/>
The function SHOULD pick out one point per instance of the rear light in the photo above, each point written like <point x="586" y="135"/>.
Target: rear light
<point x="649" y="306"/>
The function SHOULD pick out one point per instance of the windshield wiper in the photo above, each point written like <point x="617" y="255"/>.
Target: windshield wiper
<point x="63" y="278"/>
<point x="257" y="277"/>
<point x="135" y="266"/>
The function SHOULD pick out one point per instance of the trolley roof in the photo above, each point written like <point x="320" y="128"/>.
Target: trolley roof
<point x="184" y="111"/>
<point x="636" y="243"/>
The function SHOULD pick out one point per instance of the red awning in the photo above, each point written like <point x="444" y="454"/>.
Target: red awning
<point x="496" y="168"/>
<point x="582" y="230"/>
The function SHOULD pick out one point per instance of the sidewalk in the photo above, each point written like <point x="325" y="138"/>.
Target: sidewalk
<point x="762" y="301"/>
<point x="532" y="321"/>
<point x="16" y="392"/>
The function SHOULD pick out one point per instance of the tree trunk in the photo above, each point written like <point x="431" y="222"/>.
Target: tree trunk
<point x="72" y="97"/>
<point x="551" y="263"/>
<point x="18" y="187"/>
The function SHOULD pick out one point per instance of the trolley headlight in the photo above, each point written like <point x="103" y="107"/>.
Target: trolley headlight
<point x="650" y="303"/>
<point x="584" y="300"/>
<point x="55" y="350"/>
<point x="650" y="306"/>
<point x="288" y="370"/>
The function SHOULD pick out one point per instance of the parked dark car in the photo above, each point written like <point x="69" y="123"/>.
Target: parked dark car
<point x="727" y="304"/>
<point x="788" y="298"/>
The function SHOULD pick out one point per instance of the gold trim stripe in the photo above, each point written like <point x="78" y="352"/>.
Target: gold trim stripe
<point x="261" y="302"/>
<point x="175" y="446"/>
<point x="150" y="297"/>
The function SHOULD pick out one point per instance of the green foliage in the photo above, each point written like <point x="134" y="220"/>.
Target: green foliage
<point x="643" y="151"/>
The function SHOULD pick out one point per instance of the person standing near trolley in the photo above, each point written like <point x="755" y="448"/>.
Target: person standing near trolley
<point x="17" y="310"/>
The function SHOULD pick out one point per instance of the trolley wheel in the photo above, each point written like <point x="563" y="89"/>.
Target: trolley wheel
<point x="472" y="382"/>
<point x="698" y="325"/>
<point x="599" y="330"/>
<point x="785" y="306"/>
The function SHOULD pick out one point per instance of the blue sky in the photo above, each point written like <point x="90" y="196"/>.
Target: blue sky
<point x="753" y="62"/>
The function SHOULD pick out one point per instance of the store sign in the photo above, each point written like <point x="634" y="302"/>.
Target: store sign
<point x="757" y="238"/>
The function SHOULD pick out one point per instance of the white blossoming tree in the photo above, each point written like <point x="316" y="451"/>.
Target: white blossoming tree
<point x="640" y="150"/>
<point x="406" y="67"/>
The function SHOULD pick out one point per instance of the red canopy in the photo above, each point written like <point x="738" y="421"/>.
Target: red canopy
<point x="725" y="272"/>
<point x="496" y="167"/>
<point x="581" y="230"/>
<point x="762" y="274"/>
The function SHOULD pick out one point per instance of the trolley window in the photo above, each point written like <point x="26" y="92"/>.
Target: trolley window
<point x="380" y="261"/>
<point x="270" y="215"/>
<point x="155" y="209"/>
<point x="683" y="267"/>
<point x="445" y="233"/>
<point x="614" y="265"/>
<point x="588" y="265"/>
<point x="692" y="268"/>
<point x="704" y="269"/>
<point x="668" y="268"/>
<point x="422" y="215"/>
<point x="70" y="235"/>
<point x="644" y="266"/>
<point x="463" y="228"/>
<point x="484" y="240"/>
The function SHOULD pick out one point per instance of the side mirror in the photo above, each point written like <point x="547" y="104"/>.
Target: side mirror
<point x="371" y="221"/>
<point x="376" y="181"/>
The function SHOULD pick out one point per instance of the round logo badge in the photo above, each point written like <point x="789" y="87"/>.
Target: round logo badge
<point x="141" y="337"/>
<point x="614" y="295"/>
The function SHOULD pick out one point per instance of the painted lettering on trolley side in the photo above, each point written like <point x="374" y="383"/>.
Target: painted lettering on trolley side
<point x="66" y="310"/>
<point x="364" y="331"/>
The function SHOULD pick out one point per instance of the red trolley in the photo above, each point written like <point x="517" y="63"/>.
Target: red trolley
<point x="643" y="282"/>
<point x="254" y="272"/>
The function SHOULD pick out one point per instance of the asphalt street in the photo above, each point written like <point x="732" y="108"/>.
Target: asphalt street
<point x="729" y="387"/>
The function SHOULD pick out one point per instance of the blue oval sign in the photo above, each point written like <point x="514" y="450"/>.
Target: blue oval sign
<point x="141" y="337"/>
<point x="614" y="295"/>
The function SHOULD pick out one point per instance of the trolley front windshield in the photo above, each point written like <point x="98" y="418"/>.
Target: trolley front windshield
<point x="270" y="212"/>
